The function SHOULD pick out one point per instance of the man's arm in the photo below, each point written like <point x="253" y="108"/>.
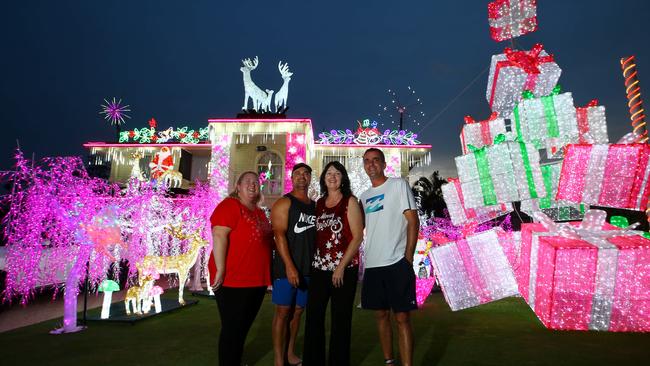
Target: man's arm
<point x="412" y="230"/>
<point x="279" y="221"/>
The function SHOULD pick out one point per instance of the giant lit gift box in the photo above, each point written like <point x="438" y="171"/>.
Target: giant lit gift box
<point x="481" y="133"/>
<point x="556" y="210"/>
<point x="547" y="122"/>
<point x="513" y="71"/>
<point x="586" y="276"/>
<point x="592" y="124"/>
<point x="511" y="18"/>
<point x="474" y="270"/>
<point x="460" y="214"/>
<point x="504" y="172"/>
<point x="614" y="175"/>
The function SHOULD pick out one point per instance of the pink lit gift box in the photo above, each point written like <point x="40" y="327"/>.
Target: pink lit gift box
<point x="474" y="270"/>
<point x="514" y="71"/>
<point x="586" y="276"/>
<point x="460" y="214"/>
<point x="511" y="18"/>
<point x="481" y="133"/>
<point x="614" y="175"/>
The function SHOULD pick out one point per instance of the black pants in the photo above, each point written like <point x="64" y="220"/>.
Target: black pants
<point x="238" y="307"/>
<point x="320" y="292"/>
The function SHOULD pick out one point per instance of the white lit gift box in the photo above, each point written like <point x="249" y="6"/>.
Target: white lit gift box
<point x="514" y="71"/>
<point x="459" y="214"/>
<point x="481" y="133"/>
<point x="592" y="124"/>
<point x="505" y="172"/>
<point x="612" y="175"/>
<point x="586" y="275"/>
<point x="556" y="210"/>
<point x="474" y="270"/>
<point x="548" y="122"/>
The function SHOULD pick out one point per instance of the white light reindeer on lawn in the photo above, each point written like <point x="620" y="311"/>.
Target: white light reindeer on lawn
<point x="283" y="94"/>
<point x="251" y="90"/>
<point x="179" y="264"/>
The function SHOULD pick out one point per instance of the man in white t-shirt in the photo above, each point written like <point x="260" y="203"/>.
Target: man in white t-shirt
<point x="391" y="234"/>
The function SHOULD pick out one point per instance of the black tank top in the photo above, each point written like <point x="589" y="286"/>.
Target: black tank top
<point x="301" y="237"/>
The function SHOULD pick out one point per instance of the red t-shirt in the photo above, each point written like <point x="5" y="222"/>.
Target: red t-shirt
<point x="248" y="259"/>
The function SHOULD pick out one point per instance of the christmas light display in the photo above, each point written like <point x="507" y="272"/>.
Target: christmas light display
<point x="402" y="107"/>
<point x="114" y="111"/>
<point x="296" y="153"/>
<point x="614" y="175"/>
<point x="586" y="276"/>
<point x="219" y="165"/>
<point x="481" y="133"/>
<point x="511" y="18"/>
<point x="107" y="287"/>
<point x="556" y="210"/>
<point x="592" y="124"/>
<point x="58" y="223"/>
<point x="453" y="196"/>
<point x="474" y="270"/>
<point x="182" y="135"/>
<point x="422" y="265"/>
<point x="368" y="134"/>
<point x="513" y="71"/>
<point x="504" y="172"/>
<point x="634" y="101"/>
<point x="546" y="122"/>
<point x="137" y="296"/>
<point x="162" y="162"/>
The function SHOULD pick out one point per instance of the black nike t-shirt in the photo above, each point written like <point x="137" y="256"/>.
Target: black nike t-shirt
<point x="301" y="237"/>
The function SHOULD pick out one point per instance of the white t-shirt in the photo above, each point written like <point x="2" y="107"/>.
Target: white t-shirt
<point x="384" y="208"/>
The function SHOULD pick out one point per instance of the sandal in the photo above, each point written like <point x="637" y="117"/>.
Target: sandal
<point x="389" y="361"/>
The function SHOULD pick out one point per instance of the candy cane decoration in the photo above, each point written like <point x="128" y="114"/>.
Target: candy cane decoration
<point x="634" y="101"/>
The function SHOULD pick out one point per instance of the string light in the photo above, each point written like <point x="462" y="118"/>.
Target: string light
<point x="634" y="100"/>
<point x="513" y="71"/>
<point x="368" y="134"/>
<point x="182" y="135"/>
<point x="296" y="153"/>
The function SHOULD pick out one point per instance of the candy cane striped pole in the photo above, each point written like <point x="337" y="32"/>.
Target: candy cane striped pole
<point x="634" y="101"/>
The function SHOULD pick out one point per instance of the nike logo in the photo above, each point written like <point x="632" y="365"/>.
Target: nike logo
<point x="299" y="229"/>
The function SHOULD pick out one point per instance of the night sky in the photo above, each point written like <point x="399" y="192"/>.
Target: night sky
<point x="179" y="62"/>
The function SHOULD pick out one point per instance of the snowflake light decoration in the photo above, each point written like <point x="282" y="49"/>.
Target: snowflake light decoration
<point x="115" y="112"/>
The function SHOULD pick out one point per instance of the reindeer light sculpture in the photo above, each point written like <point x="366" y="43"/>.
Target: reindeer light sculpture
<point x="251" y="90"/>
<point x="282" y="95"/>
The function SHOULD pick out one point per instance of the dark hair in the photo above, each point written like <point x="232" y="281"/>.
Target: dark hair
<point x="381" y="153"/>
<point x="345" y="180"/>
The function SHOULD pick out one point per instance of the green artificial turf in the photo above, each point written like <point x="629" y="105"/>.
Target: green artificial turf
<point x="503" y="332"/>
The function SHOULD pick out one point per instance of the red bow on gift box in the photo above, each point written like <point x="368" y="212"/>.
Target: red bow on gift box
<point x="470" y="119"/>
<point x="529" y="61"/>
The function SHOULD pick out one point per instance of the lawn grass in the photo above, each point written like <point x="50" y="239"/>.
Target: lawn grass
<point x="505" y="332"/>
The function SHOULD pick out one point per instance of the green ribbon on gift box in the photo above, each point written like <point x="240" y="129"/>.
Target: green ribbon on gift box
<point x="552" y="127"/>
<point x="483" y="168"/>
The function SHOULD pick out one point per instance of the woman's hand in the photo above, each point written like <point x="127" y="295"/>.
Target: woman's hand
<point x="337" y="276"/>
<point x="218" y="281"/>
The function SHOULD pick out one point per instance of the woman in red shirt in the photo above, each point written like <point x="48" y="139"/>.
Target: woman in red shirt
<point x="335" y="268"/>
<point x="242" y="238"/>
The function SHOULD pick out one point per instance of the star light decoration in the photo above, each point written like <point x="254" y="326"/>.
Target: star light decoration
<point x="115" y="112"/>
<point x="511" y="18"/>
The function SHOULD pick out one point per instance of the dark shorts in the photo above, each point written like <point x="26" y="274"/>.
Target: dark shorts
<point x="390" y="287"/>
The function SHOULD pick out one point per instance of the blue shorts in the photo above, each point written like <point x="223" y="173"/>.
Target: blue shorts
<point x="286" y="295"/>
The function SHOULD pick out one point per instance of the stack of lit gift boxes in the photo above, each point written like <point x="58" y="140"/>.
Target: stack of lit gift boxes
<point x="581" y="275"/>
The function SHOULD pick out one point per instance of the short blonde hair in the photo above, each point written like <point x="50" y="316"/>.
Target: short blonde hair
<point x="235" y="193"/>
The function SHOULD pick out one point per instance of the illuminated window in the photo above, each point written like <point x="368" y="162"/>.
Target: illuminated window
<point x="271" y="184"/>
